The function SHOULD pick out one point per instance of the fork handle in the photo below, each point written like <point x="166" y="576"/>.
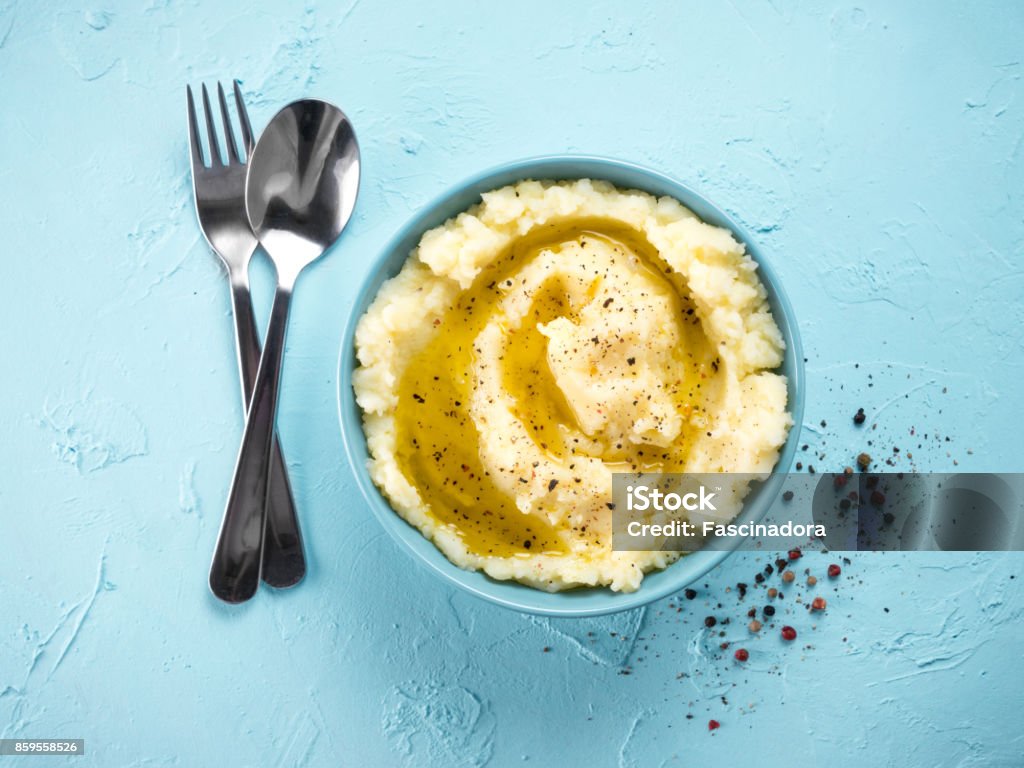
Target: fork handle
<point x="235" y="574"/>
<point x="284" y="563"/>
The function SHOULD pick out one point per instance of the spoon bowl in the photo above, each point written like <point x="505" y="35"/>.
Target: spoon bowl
<point x="300" y="191"/>
<point x="302" y="182"/>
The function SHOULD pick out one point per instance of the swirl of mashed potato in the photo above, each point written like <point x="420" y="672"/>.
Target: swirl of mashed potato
<point x="553" y="335"/>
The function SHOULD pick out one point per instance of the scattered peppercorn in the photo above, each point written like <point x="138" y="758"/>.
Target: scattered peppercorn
<point x="788" y="576"/>
<point x="772" y="592"/>
<point x="811" y="581"/>
<point x="768" y="610"/>
<point x="795" y="554"/>
<point x="710" y="621"/>
<point x="787" y="496"/>
<point x="741" y="654"/>
<point x="818" y="604"/>
<point x="754" y="626"/>
<point x="714" y="725"/>
<point x="877" y="498"/>
<point x="788" y="633"/>
<point x="859" y="417"/>
<point x="690" y="594"/>
<point x="863" y="461"/>
<point x="834" y="571"/>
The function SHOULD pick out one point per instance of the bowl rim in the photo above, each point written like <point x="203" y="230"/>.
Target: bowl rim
<point x="601" y="599"/>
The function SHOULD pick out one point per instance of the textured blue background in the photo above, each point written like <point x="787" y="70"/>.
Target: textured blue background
<point x="877" y="151"/>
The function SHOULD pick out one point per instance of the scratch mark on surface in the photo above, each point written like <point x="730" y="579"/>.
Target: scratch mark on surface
<point x="702" y="667"/>
<point x="641" y="743"/>
<point x="86" y="608"/>
<point x="925" y="666"/>
<point x="314" y="697"/>
<point x="607" y="640"/>
<point x="75" y="618"/>
<point x="188" y="498"/>
<point x="746" y="22"/>
<point x="624" y="760"/>
<point x="6" y="24"/>
<point x="466" y="624"/>
<point x="94" y="433"/>
<point x="901" y="396"/>
<point x="79" y="43"/>
<point x="438" y="724"/>
<point x="349" y="11"/>
<point x="304" y="734"/>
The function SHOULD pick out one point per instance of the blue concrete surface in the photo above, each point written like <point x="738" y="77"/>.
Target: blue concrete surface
<point x="876" y="150"/>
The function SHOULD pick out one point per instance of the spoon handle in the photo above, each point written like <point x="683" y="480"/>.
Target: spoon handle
<point x="235" y="573"/>
<point x="284" y="563"/>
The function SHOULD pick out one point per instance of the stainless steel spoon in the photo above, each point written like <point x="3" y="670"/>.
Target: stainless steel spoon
<point x="301" y="188"/>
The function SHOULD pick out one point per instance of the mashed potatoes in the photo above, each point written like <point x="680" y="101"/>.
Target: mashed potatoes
<point x="552" y="335"/>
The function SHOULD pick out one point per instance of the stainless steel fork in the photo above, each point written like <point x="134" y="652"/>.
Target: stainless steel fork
<point x="220" y="203"/>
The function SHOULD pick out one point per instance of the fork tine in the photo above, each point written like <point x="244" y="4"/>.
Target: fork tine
<point x="229" y="134"/>
<point x="243" y="117"/>
<point x="195" y="146"/>
<point x="215" y="155"/>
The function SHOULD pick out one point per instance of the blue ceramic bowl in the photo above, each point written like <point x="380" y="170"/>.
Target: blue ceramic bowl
<point x="578" y="602"/>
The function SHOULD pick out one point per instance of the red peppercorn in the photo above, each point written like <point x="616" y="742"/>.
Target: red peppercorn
<point x="795" y="554"/>
<point x="788" y="633"/>
<point x="818" y="604"/>
<point x="713" y="725"/>
<point x="834" y="571"/>
<point x="741" y="654"/>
